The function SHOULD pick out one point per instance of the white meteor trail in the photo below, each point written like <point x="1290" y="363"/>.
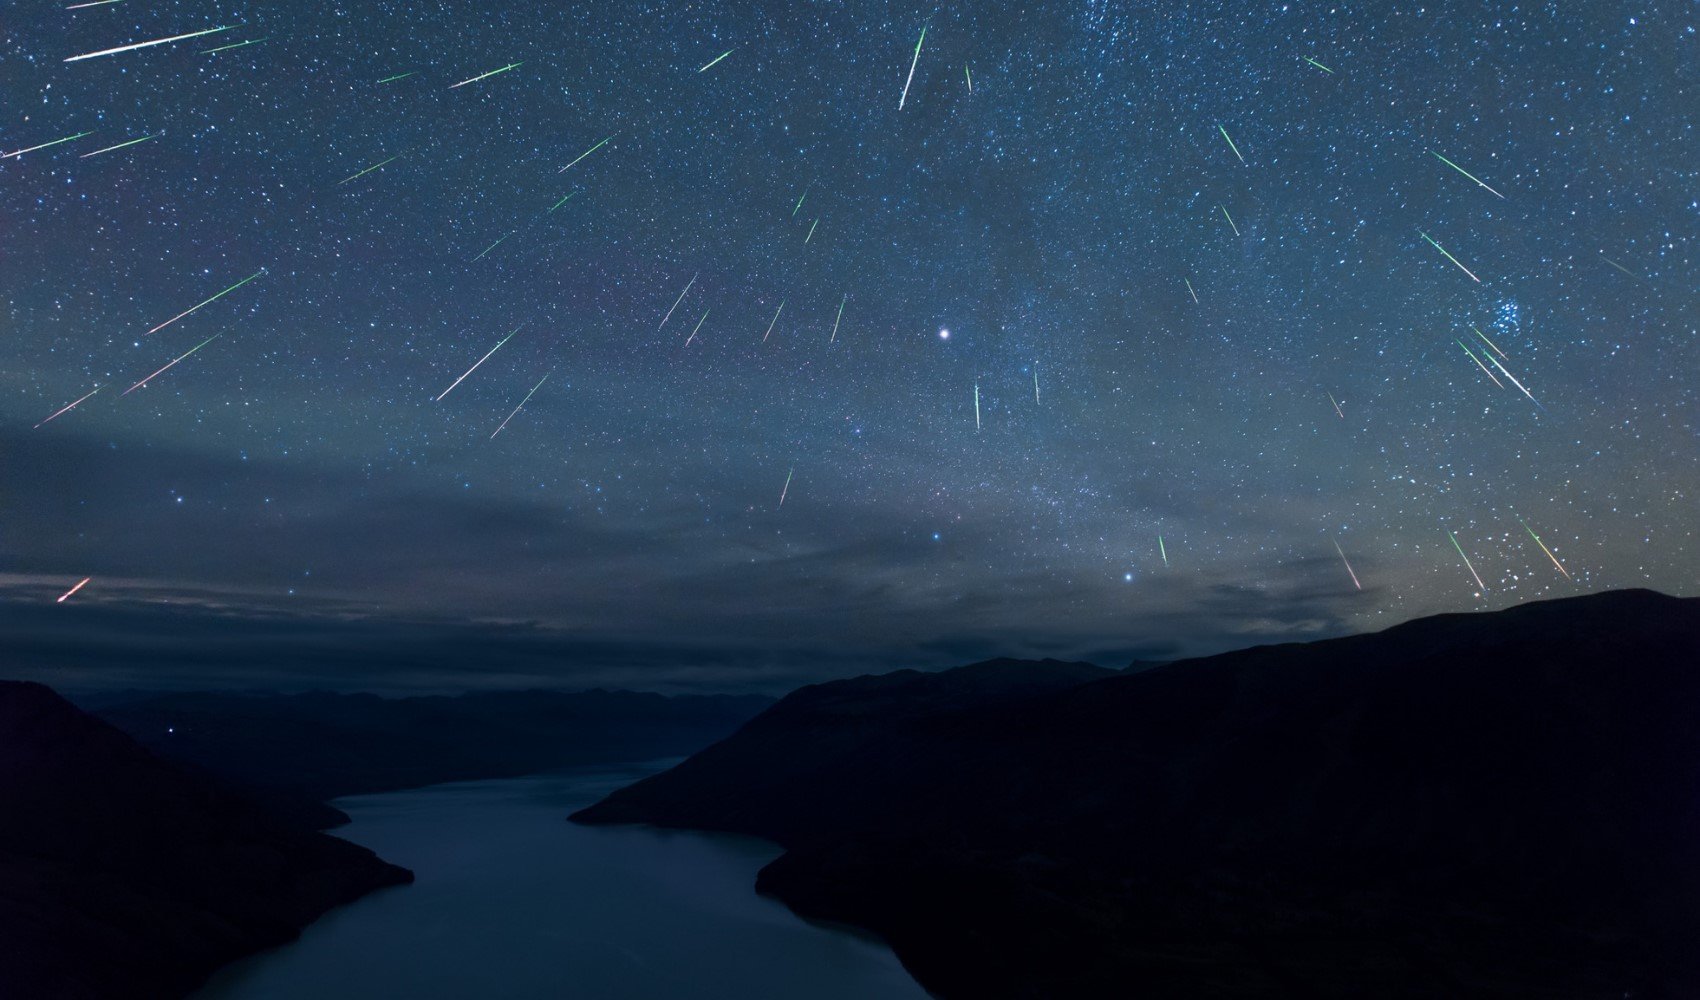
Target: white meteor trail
<point x="520" y="407"/>
<point x="787" y="488"/>
<point x="694" y="330"/>
<point x="678" y="300"/>
<point x="142" y="45"/>
<point x="486" y="76"/>
<point x="68" y="407"/>
<point x="485" y="358"/>
<point x="1343" y="559"/>
<point x="976" y="406"/>
<point x="912" y="62"/>
<point x="67" y="594"/>
<point x="171" y="365"/>
<point x="770" y="326"/>
<point x="1467" y="562"/>
<point x="835" y="322"/>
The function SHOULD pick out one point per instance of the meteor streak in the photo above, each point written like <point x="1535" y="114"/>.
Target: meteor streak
<point x="680" y="299"/>
<point x="811" y="235"/>
<point x="1513" y="378"/>
<point x="694" y="330"/>
<point x="1035" y="383"/>
<point x="398" y="76"/>
<point x="1466" y="173"/>
<point x="976" y="406"/>
<point x="1343" y="559"/>
<point x="173" y="362"/>
<point x="563" y="201"/>
<point x="68" y="407"/>
<point x="800" y="198"/>
<point x="1231" y="145"/>
<point x="1449" y="257"/>
<point x="488" y="249"/>
<point x="770" y="326"/>
<point x="584" y="154"/>
<point x="1189" y="290"/>
<point x="486" y="76"/>
<point x="121" y="145"/>
<point x="787" y="487"/>
<point x="236" y="45"/>
<point x="1488" y="342"/>
<point x="1478" y="362"/>
<point x="368" y="170"/>
<point x="1472" y="569"/>
<point x="142" y="45"/>
<point x="1336" y="403"/>
<point x="839" y="318"/>
<point x="1608" y="260"/>
<point x="1164" y="550"/>
<point x="92" y="3"/>
<point x="520" y="407"/>
<point x="67" y="594"/>
<point x="912" y="62"/>
<point x="1544" y="548"/>
<point x="44" y="145"/>
<point x="1319" y="66"/>
<point x="215" y="298"/>
<point x="480" y="361"/>
<point x="716" y="60"/>
<point x="1230" y="219"/>
<point x="970" y="77"/>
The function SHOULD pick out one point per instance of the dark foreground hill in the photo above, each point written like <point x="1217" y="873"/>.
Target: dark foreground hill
<point x="1502" y="804"/>
<point x="123" y="875"/>
<point x="296" y="751"/>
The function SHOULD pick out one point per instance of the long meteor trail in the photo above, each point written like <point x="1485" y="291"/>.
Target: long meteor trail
<point x="68" y="407"/>
<point x="770" y="326"/>
<point x="67" y="594"/>
<point x="173" y="363"/>
<point x="520" y="407"/>
<point x="1488" y="342"/>
<point x="1231" y="145"/>
<point x="121" y="145"/>
<point x="787" y="487"/>
<point x="142" y="45"/>
<point x="976" y="406"/>
<point x="486" y="76"/>
<point x="1466" y="173"/>
<point x="1449" y="257"/>
<point x="584" y="154"/>
<point x="363" y="173"/>
<point x="1482" y="586"/>
<point x="1230" y="219"/>
<point x="1478" y="362"/>
<point x="1319" y="66"/>
<point x="1348" y="563"/>
<point x="485" y="358"/>
<point x="839" y="318"/>
<point x="716" y="60"/>
<point x="905" y="96"/>
<point x="44" y="145"/>
<point x="1544" y="548"/>
<point x="215" y="298"/>
<point x="694" y="329"/>
<point x="1163" y="550"/>
<point x="680" y="299"/>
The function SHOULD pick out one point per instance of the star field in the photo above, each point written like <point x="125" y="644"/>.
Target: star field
<point x="1154" y="275"/>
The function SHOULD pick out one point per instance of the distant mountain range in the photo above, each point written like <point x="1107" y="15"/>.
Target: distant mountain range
<point x="123" y="875"/>
<point x="1488" y="805"/>
<point x="294" y="752"/>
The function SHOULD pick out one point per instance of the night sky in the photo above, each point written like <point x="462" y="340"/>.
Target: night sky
<point x="1176" y="253"/>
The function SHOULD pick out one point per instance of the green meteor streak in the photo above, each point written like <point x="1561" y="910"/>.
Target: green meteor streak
<point x="398" y="76"/>
<point x="1164" y="549"/>
<point x="1544" y="548"/>
<point x="1319" y="66"/>
<point x="1482" y="586"/>
<point x="584" y="154"/>
<point x="121" y="145"/>
<point x="1478" y="362"/>
<point x="970" y="77"/>
<point x="1231" y="145"/>
<point x="713" y="62"/>
<point x="368" y="170"/>
<point x="1466" y="173"/>
<point x="489" y="248"/>
<point x="563" y="201"/>
<point x="1449" y="257"/>
<point x="210" y="301"/>
<point x="44" y="145"/>
<point x="225" y="48"/>
<point x="800" y="198"/>
<point x="1488" y="342"/>
<point x="486" y="76"/>
<point x="1230" y="219"/>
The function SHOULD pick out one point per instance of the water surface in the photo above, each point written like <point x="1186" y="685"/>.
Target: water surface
<point x="514" y="901"/>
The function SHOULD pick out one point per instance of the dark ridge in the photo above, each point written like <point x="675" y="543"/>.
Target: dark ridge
<point x="1489" y="805"/>
<point x="123" y="875"/>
